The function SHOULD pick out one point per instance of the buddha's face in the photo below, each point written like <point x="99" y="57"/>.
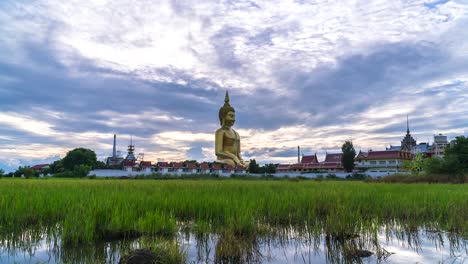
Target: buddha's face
<point x="230" y="119"/>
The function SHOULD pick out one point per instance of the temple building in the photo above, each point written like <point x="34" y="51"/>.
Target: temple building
<point x="408" y="142"/>
<point x="131" y="152"/>
<point x="332" y="163"/>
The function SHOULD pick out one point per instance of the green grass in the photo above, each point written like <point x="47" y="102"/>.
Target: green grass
<point x="87" y="210"/>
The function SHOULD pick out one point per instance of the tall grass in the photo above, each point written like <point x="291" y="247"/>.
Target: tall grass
<point x="89" y="210"/>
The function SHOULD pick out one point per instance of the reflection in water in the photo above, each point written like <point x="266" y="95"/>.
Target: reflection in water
<point x="43" y="245"/>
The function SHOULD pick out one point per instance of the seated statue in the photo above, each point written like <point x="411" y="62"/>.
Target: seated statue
<point x="227" y="142"/>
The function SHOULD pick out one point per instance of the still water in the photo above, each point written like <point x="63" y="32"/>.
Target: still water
<point x="285" y="246"/>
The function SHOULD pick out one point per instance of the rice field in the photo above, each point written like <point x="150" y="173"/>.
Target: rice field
<point x="85" y="211"/>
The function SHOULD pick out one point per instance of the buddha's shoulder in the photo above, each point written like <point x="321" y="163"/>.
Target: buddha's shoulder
<point x="220" y="130"/>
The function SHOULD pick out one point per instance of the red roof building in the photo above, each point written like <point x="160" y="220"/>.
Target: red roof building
<point x="361" y="155"/>
<point x="40" y="167"/>
<point x="191" y="165"/>
<point x="239" y="168"/>
<point x="384" y="155"/>
<point x="128" y="163"/>
<point x="145" y="164"/>
<point x="389" y="161"/>
<point x="282" y="167"/>
<point x="332" y="163"/>
<point x="177" y="165"/>
<point x="215" y="167"/>
<point x="163" y="164"/>
<point x="204" y="166"/>
<point x="333" y="157"/>
<point x="309" y="159"/>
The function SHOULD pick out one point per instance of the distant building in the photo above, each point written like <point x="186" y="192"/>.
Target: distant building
<point x="162" y="167"/>
<point x="389" y="161"/>
<point x="440" y="144"/>
<point x="178" y="167"/>
<point x="40" y="167"/>
<point x="130" y="151"/>
<point x="239" y="169"/>
<point x="128" y="165"/>
<point x="216" y="168"/>
<point x="204" y="168"/>
<point x="114" y="160"/>
<point x="408" y="142"/>
<point x="191" y="167"/>
<point x="309" y="159"/>
<point x="145" y="166"/>
<point x="332" y="163"/>
<point x="228" y="169"/>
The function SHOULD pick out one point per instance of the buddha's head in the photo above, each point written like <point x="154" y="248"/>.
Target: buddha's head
<point x="227" y="115"/>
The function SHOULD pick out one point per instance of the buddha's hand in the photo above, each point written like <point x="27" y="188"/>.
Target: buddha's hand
<point x="245" y="163"/>
<point x="237" y="161"/>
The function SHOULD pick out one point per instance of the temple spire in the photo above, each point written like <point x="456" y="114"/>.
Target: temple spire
<point x="407" y="125"/>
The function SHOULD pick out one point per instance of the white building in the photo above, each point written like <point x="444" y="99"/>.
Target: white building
<point x="440" y="143"/>
<point x="389" y="161"/>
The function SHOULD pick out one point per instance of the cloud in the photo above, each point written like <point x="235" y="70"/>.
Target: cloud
<point x="299" y="73"/>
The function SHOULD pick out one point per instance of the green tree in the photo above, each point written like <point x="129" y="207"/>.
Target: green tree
<point x="416" y="165"/>
<point x="433" y="166"/>
<point x="458" y="149"/>
<point x="347" y="159"/>
<point x="56" y="167"/>
<point x="81" y="170"/>
<point x="270" y="168"/>
<point x="79" y="156"/>
<point x="102" y="165"/>
<point x="2" y="172"/>
<point x="26" y="172"/>
<point x="453" y="166"/>
<point x="253" y="166"/>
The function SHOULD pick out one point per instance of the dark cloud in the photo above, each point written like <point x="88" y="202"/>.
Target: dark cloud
<point x="336" y="94"/>
<point x="81" y="96"/>
<point x="224" y="45"/>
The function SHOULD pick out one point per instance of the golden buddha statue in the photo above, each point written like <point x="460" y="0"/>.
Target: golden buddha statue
<point x="227" y="141"/>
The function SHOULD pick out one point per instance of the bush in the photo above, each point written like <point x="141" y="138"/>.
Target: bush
<point x="26" y="172"/>
<point x="433" y="178"/>
<point x="79" y="171"/>
<point x="65" y="174"/>
<point x="82" y="170"/>
<point x="358" y="176"/>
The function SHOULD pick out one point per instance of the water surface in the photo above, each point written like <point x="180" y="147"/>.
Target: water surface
<point x="285" y="246"/>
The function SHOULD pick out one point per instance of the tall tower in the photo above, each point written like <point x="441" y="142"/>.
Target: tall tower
<point x="115" y="159"/>
<point x="298" y="154"/>
<point x="114" y="152"/>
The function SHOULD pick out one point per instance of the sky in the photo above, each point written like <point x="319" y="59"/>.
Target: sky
<point x="299" y="73"/>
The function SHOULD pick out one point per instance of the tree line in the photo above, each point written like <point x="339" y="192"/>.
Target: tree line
<point x="454" y="164"/>
<point x="77" y="163"/>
